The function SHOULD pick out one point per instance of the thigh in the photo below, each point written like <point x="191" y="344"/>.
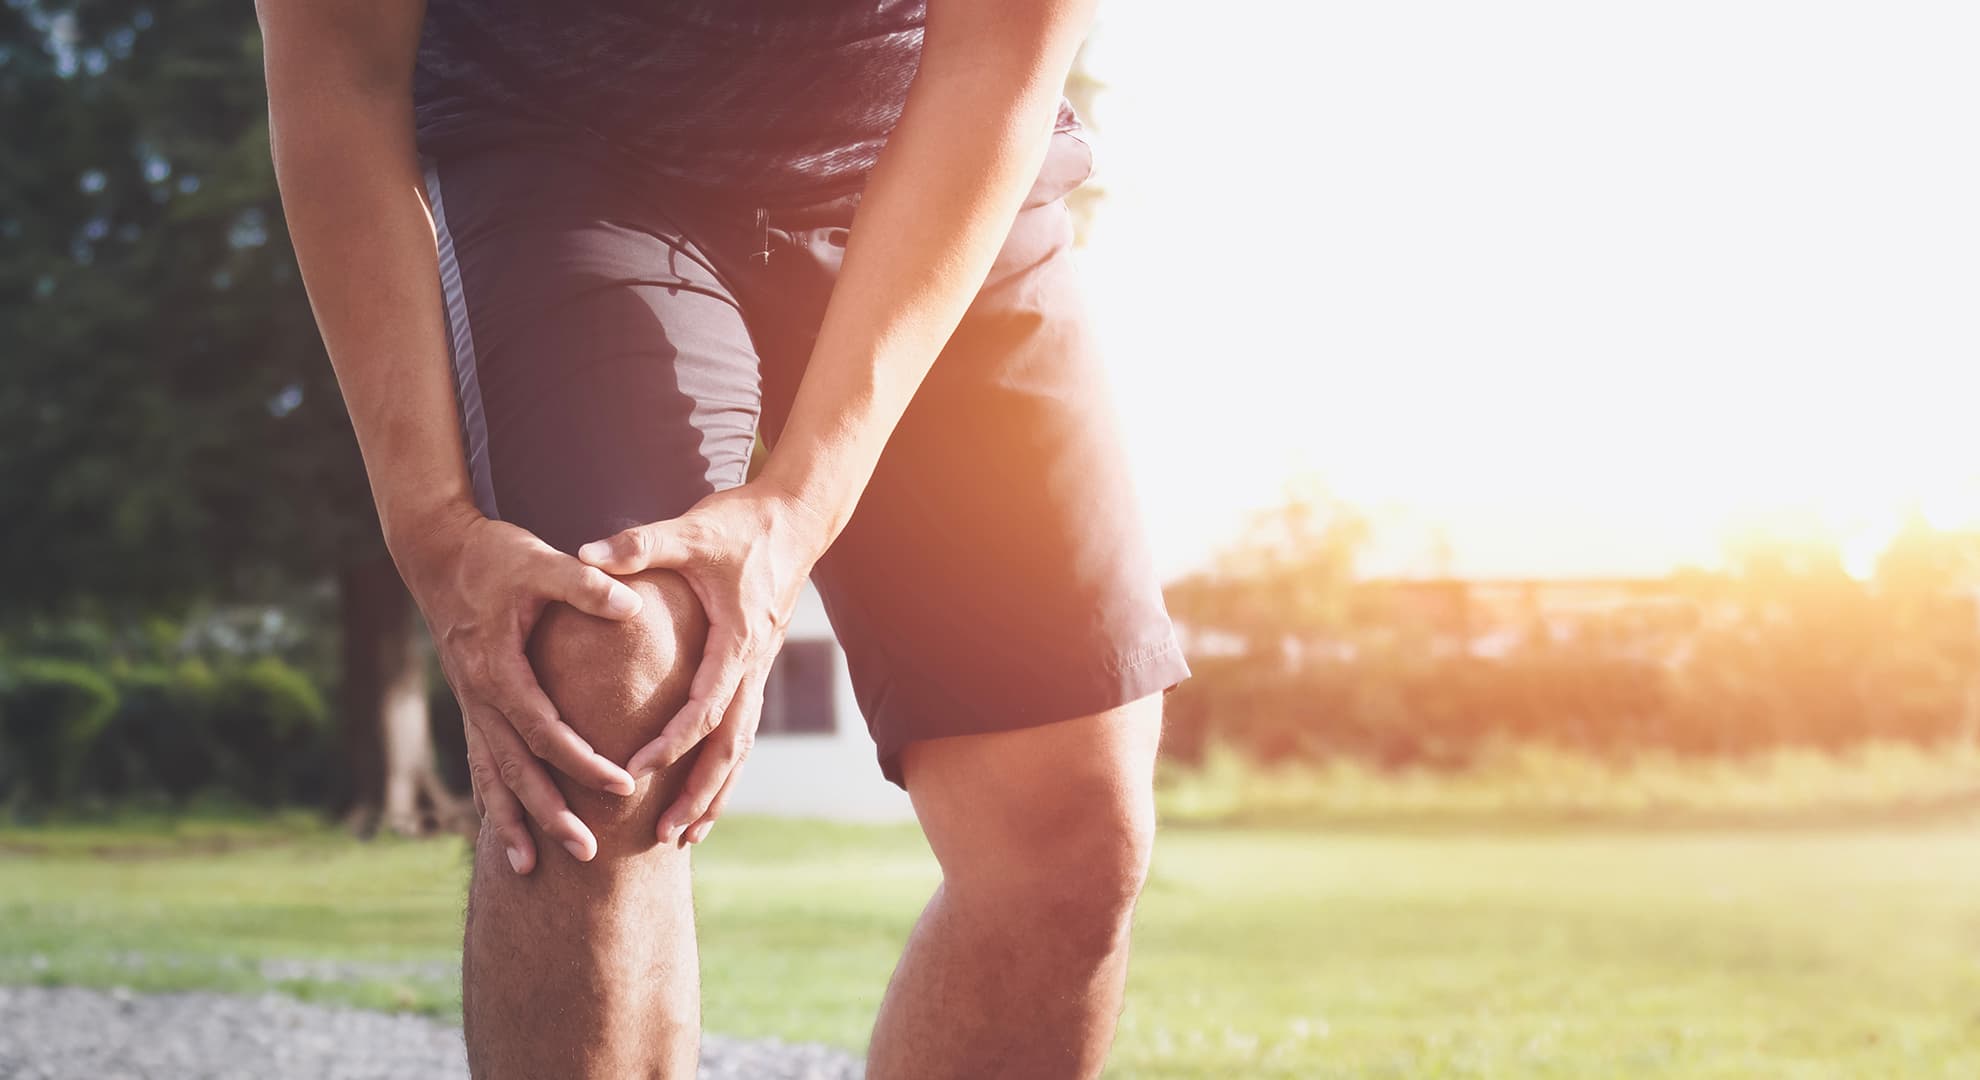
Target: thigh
<point x="1003" y="804"/>
<point x="606" y="378"/>
<point x="996" y="575"/>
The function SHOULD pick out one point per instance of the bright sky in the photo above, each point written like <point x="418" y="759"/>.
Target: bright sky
<point x="1583" y="284"/>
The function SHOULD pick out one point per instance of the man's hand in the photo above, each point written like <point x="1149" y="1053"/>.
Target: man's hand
<point x="481" y="585"/>
<point x="745" y="552"/>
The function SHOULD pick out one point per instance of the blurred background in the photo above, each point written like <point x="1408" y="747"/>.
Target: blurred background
<point x="1553" y="423"/>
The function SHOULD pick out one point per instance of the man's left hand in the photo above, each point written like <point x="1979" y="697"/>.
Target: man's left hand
<point x="745" y="552"/>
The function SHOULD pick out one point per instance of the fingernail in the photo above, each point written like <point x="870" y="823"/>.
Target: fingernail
<point x="622" y="601"/>
<point x="595" y="551"/>
<point x="621" y="785"/>
<point x="701" y="832"/>
<point x="670" y="834"/>
<point x="516" y="859"/>
<point x="576" y="849"/>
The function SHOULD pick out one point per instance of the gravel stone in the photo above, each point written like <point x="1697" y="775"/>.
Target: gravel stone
<point x="69" y="1033"/>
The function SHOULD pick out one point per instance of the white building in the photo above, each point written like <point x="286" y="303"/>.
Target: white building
<point x="813" y="757"/>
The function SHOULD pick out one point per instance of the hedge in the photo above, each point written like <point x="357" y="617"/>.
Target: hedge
<point x="72" y="733"/>
<point x="51" y="713"/>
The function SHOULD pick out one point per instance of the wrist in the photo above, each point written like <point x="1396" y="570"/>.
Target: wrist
<point x="817" y="507"/>
<point x="416" y="536"/>
<point x="810" y="513"/>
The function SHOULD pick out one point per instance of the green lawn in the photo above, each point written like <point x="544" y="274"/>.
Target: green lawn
<point x="1426" y="953"/>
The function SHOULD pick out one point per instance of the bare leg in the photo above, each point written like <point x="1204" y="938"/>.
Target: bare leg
<point x="1017" y="966"/>
<point x="589" y="969"/>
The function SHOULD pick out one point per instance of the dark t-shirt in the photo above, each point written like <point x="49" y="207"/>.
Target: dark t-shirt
<point x="785" y="100"/>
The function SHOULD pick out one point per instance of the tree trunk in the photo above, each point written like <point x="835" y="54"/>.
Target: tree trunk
<point x="388" y="729"/>
<point x="359" y="694"/>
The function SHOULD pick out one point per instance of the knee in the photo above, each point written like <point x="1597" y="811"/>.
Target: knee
<point x="1099" y="871"/>
<point x="1074" y="878"/>
<point x="618" y="683"/>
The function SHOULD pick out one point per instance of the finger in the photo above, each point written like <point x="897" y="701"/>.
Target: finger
<point x="710" y="771"/>
<point x="643" y="547"/>
<point x="529" y="711"/>
<point x="698" y="831"/>
<point x="723" y="663"/>
<point x="519" y="773"/>
<point x="498" y="806"/>
<point x="591" y="590"/>
<point x="474" y="782"/>
<point x="706" y="790"/>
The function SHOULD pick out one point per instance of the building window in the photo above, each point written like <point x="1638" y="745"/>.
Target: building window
<point x="798" y="696"/>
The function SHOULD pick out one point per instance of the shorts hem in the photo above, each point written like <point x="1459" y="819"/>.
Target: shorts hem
<point x="1124" y="678"/>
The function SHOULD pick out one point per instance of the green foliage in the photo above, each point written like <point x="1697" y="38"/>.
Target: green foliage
<point x="75" y="735"/>
<point x="161" y="741"/>
<point x="85" y="641"/>
<point x="51" y="712"/>
<point x="271" y="732"/>
<point x="1403" y="709"/>
<point x="1301" y="660"/>
<point x="1288" y="578"/>
<point x="165" y="380"/>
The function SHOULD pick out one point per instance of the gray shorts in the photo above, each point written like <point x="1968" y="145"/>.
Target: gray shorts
<point x="620" y="347"/>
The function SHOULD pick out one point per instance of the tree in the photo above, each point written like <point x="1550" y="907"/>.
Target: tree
<point x="1288" y="580"/>
<point x="176" y="430"/>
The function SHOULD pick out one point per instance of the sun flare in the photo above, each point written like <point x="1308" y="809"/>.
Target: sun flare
<point x="1574" y="283"/>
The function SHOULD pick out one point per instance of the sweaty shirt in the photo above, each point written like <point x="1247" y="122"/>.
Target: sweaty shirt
<point x="785" y="100"/>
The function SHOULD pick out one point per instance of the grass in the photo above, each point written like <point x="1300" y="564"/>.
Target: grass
<point x="1532" y="783"/>
<point x="1365" y="952"/>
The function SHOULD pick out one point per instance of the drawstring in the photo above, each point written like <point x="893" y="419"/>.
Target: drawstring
<point x="762" y="255"/>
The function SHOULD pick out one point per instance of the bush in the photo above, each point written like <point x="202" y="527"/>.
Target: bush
<point x="160" y="741"/>
<point x="51" y="713"/>
<point x="271" y="732"/>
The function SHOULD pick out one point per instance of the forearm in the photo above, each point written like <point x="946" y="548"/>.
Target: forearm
<point x="936" y="210"/>
<point x="352" y="195"/>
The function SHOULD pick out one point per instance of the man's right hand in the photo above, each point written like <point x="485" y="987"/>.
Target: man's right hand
<point x="481" y="585"/>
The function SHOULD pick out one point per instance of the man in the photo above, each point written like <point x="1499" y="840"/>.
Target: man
<point x="568" y="260"/>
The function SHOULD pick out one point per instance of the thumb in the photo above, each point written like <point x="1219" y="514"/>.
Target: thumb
<point x="595" y="592"/>
<point x="641" y="547"/>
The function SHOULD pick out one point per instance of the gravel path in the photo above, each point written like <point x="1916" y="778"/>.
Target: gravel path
<point x="65" y="1033"/>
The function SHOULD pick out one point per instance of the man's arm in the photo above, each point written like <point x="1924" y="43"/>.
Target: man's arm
<point x="937" y="208"/>
<point x="341" y="128"/>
